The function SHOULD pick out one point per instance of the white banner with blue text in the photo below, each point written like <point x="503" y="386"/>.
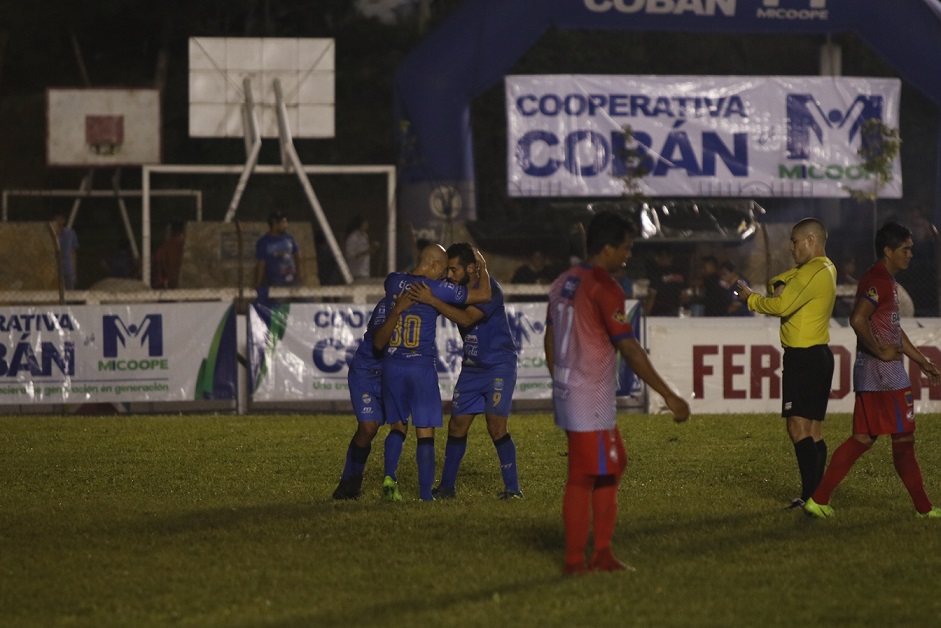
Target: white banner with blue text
<point x="302" y="351"/>
<point x="117" y="353"/>
<point x="729" y="136"/>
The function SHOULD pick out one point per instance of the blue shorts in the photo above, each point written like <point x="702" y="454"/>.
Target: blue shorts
<point x="366" y="395"/>
<point x="487" y="390"/>
<point x="411" y="390"/>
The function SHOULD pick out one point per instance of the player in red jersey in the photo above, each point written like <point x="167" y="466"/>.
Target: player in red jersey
<point x="586" y="326"/>
<point x="883" y="389"/>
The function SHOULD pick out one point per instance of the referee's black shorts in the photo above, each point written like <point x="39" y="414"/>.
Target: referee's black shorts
<point x="808" y="375"/>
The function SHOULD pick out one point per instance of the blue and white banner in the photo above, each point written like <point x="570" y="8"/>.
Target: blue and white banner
<point x="303" y="352"/>
<point x="117" y="353"/>
<point x="747" y="136"/>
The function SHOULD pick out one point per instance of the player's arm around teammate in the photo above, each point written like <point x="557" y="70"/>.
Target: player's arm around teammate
<point x="462" y="317"/>
<point x="384" y="333"/>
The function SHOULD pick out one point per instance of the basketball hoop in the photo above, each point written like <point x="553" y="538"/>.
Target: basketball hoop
<point x="103" y="134"/>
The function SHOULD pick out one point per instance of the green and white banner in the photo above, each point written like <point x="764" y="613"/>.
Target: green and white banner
<point x="117" y="353"/>
<point x="302" y="351"/>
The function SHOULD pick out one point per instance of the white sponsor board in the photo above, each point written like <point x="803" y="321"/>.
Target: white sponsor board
<point x="310" y="360"/>
<point x="117" y="353"/>
<point x="697" y="135"/>
<point x="307" y="356"/>
<point x="734" y="365"/>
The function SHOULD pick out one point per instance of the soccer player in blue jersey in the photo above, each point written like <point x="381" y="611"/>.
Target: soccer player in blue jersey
<point x="488" y="372"/>
<point x="409" y="377"/>
<point x="365" y="383"/>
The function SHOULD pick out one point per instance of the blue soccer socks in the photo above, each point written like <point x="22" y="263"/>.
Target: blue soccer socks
<point x="454" y="452"/>
<point x="425" y="457"/>
<point x="506" y="451"/>
<point x="393" y="451"/>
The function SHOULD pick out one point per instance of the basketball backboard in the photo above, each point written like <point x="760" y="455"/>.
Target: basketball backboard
<point x="219" y="66"/>
<point x="102" y="127"/>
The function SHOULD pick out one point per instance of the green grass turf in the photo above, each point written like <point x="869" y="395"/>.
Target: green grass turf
<point x="228" y="521"/>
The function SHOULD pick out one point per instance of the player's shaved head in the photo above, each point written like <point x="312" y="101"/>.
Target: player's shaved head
<point x="812" y="226"/>
<point x="433" y="253"/>
<point x="432" y="262"/>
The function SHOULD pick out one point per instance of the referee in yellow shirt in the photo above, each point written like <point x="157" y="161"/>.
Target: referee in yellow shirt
<point x="803" y="298"/>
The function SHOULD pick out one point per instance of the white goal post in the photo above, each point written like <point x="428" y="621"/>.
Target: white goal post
<point x="238" y="169"/>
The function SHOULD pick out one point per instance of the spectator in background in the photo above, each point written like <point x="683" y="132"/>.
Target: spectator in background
<point x="68" y="246"/>
<point x="121" y="263"/>
<point x="715" y="296"/>
<point x="276" y="253"/>
<point x="358" y="249"/>
<point x="667" y="285"/>
<point x="845" y="277"/>
<point x="730" y="278"/>
<point x="921" y="278"/>
<point x="169" y="258"/>
<point x="534" y="270"/>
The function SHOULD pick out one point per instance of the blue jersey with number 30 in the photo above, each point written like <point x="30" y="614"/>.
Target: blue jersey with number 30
<point x="415" y="334"/>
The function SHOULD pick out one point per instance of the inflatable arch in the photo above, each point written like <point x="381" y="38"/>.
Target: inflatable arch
<point x="478" y="44"/>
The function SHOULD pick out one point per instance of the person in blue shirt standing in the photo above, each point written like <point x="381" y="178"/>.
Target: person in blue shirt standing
<point x="276" y="253"/>
<point x="409" y="378"/>
<point x="365" y="384"/>
<point x="488" y="373"/>
<point x="68" y="245"/>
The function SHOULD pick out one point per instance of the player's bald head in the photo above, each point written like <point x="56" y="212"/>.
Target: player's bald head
<point x="432" y="262"/>
<point x="812" y="227"/>
<point x="433" y="253"/>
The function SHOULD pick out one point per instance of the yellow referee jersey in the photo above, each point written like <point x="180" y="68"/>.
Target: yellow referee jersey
<point x="806" y="304"/>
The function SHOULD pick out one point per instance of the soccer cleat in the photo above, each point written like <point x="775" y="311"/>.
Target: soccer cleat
<point x="934" y="513"/>
<point x="510" y="495"/>
<point x="349" y="488"/>
<point x="796" y="503"/>
<point x="390" y="490"/>
<point x="576" y="569"/>
<point x="443" y="493"/>
<point x="605" y="560"/>
<point x="822" y="511"/>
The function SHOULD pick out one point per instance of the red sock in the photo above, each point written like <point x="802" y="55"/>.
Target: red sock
<point x="576" y="514"/>
<point x="906" y="465"/>
<point x="842" y="461"/>
<point x="605" y="510"/>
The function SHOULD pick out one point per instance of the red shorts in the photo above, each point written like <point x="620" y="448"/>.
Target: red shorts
<point x="884" y="412"/>
<point x="596" y="453"/>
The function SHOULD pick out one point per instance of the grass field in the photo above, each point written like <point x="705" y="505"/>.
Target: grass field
<point x="228" y="521"/>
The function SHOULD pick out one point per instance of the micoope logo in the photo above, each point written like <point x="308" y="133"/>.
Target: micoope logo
<point x="794" y="10"/>
<point x="145" y="339"/>
<point x="150" y="331"/>
<point x="805" y="115"/>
